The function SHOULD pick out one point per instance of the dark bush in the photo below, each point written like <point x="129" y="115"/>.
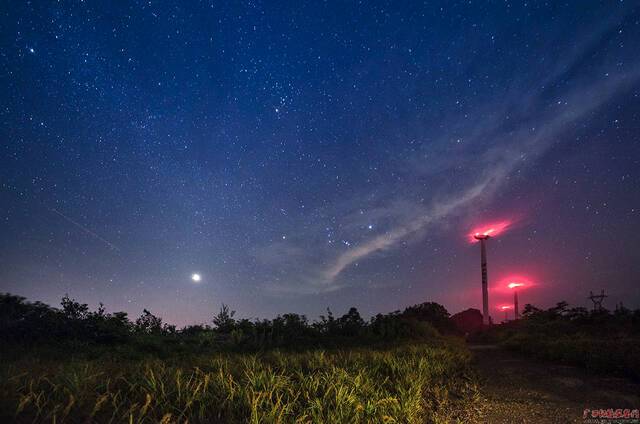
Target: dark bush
<point x="78" y="328"/>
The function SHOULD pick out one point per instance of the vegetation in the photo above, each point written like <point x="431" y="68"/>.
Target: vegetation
<point x="405" y="384"/>
<point x="76" y="365"/>
<point x="24" y="323"/>
<point x="599" y="340"/>
<point x="71" y="364"/>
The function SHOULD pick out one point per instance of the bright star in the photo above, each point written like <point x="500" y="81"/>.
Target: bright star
<point x="196" y="278"/>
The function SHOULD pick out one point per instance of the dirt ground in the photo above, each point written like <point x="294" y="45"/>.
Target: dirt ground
<point x="524" y="390"/>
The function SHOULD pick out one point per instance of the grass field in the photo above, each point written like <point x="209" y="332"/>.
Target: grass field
<point x="409" y="384"/>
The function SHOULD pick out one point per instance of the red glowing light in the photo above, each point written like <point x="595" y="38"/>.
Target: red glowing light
<point x="491" y="230"/>
<point x="517" y="281"/>
<point x="506" y="307"/>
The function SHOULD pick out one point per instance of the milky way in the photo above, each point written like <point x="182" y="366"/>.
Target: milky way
<point x="303" y="155"/>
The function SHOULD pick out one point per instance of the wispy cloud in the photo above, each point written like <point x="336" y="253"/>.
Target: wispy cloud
<point x="521" y="128"/>
<point x="514" y="148"/>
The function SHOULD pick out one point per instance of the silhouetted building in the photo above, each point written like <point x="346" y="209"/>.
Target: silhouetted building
<point x="469" y="321"/>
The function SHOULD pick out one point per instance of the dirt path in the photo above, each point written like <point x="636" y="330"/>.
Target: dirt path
<point x="523" y="390"/>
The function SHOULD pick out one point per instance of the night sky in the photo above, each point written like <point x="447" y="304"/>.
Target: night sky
<point x="308" y="154"/>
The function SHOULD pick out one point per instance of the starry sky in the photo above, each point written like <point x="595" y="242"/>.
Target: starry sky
<point x="312" y="154"/>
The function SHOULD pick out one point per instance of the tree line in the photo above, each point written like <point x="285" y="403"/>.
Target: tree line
<point x="23" y="322"/>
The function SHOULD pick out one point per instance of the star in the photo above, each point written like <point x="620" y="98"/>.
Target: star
<point x="212" y="141"/>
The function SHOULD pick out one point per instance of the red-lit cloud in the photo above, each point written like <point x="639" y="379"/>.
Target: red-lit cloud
<point x="490" y="230"/>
